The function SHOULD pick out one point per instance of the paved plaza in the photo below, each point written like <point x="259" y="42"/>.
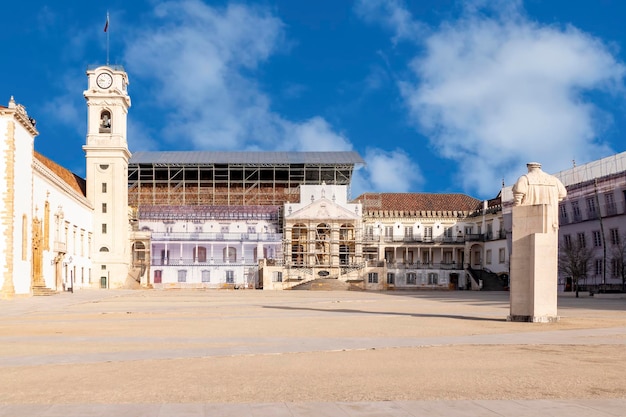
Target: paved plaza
<point x="307" y="353"/>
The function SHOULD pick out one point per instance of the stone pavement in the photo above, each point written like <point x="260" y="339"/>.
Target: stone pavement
<point x="70" y="311"/>
<point x="474" y="408"/>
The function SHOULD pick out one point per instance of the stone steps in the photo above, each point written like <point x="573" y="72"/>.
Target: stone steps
<point x="41" y="291"/>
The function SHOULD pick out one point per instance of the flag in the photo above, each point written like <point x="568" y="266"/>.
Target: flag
<point x="106" y="25"/>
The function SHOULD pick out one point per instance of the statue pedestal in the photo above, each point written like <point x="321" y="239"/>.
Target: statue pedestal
<point x="534" y="264"/>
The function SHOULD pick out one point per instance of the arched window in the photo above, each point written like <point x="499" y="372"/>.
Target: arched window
<point x="139" y="252"/>
<point x="322" y="244"/>
<point x="299" y="243"/>
<point x="229" y="254"/>
<point x="199" y="254"/>
<point x="346" y="244"/>
<point x="105" y="121"/>
<point x="256" y="254"/>
<point x="104" y="249"/>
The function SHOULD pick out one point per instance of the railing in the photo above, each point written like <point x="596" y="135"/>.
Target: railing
<point x="346" y="269"/>
<point x="422" y="265"/>
<point x="202" y="236"/>
<point x="192" y="262"/>
<point x="474" y="237"/>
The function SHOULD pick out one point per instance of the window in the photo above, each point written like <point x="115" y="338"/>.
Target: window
<point x="103" y="267"/>
<point x="372" y="277"/>
<point x="224" y="229"/>
<point x="229" y="254"/>
<point x="468" y="230"/>
<point x="581" y="240"/>
<point x="104" y="187"/>
<point x="277" y="276"/>
<point x="104" y="249"/>
<point x="369" y="232"/>
<point x="598" y="266"/>
<point x="104" y="228"/>
<point x="230" y="277"/>
<point x="591" y="208"/>
<point x="165" y="257"/>
<point x="391" y="278"/>
<point x="182" y="275"/>
<point x="447" y="232"/>
<point x="501" y="255"/>
<point x="433" y="278"/>
<point x="206" y="275"/>
<point x="597" y="238"/>
<point x="104" y="207"/>
<point x="563" y="212"/>
<point x="614" y="236"/>
<point x="488" y="256"/>
<point x="576" y="210"/>
<point x="199" y="254"/>
<point x="567" y="241"/>
<point x="615" y="267"/>
<point x="389" y="231"/>
<point x="408" y="232"/>
<point x="411" y="278"/>
<point x="609" y="200"/>
<point x="251" y="229"/>
<point x="428" y="232"/>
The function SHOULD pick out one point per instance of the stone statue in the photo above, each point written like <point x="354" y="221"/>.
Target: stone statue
<point x="537" y="187"/>
<point x="534" y="246"/>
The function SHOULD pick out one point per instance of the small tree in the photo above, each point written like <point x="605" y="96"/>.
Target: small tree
<point x="618" y="258"/>
<point x="574" y="261"/>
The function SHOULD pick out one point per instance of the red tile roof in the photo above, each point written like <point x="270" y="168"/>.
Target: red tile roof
<point x="71" y="179"/>
<point x="418" y="202"/>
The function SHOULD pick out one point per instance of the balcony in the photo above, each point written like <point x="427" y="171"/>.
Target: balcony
<point x="217" y="237"/>
<point x="205" y="262"/>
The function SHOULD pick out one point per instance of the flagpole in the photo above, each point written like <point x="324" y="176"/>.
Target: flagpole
<point x="106" y="29"/>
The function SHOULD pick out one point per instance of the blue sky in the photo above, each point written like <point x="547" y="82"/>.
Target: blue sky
<point x="436" y="95"/>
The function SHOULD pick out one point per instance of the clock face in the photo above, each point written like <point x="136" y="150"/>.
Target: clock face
<point x="104" y="80"/>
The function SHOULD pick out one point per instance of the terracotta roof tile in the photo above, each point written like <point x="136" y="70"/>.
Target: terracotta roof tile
<point x="418" y="202"/>
<point x="71" y="179"/>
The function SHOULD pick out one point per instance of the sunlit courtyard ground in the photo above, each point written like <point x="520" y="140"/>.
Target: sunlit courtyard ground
<point x="97" y="346"/>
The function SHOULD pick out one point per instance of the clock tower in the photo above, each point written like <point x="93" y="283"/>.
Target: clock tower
<point x="107" y="157"/>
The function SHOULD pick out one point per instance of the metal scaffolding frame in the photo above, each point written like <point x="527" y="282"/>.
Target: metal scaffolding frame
<point x="171" y="179"/>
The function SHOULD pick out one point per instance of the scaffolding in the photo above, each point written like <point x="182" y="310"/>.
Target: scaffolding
<point x="232" y="178"/>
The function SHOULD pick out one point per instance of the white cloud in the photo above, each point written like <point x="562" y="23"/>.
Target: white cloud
<point x="387" y="171"/>
<point x="393" y="15"/>
<point x="315" y="135"/>
<point x="198" y="56"/>
<point x="201" y="61"/>
<point x="496" y="90"/>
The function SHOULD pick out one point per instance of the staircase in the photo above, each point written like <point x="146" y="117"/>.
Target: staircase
<point x="491" y="280"/>
<point x="325" y="284"/>
<point x="41" y="290"/>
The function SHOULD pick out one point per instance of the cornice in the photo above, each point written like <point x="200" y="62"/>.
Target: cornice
<point x="52" y="177"/>
<point x="19" y="113"/>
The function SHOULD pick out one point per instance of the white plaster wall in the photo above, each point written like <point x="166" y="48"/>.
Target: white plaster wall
<point x="79" y="214"/>
<point x="3" y="191"/>
<point x="22" y="206"/>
